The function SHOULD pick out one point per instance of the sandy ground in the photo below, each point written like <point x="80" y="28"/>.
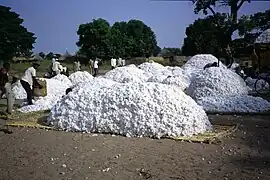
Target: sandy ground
<point x="34" y="154"/>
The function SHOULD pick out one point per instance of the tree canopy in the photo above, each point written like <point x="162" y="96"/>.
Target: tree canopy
<point x="207" y="35"/>
<point x="122" y="39"/>
<point x="15" y="39"/>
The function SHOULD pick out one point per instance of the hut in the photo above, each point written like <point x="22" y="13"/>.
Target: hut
<point x="65" y="56"/>
<point x="261" y="52"/>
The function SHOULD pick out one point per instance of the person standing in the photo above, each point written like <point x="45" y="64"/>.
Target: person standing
<point x="28" y="80"/>
<point x="91" y="66"/>
<point x="123" y="62"/>
<point x="119" y="63"/>
<point x="113" y="63"/>
<point x="3" y="78"/>
<point x="95" y="67"/>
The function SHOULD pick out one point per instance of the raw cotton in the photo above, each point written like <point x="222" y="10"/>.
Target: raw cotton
<point x="240" y="104"/>
<point x="151" y="67"/>
<point x="63" y="78"/>
<point x="55" y="90"/>
<point x="216" y="81"/>
<point x="127" y="74"/>
<point x="130" y="109"/>
<point x="260" y="85"/>
<point x="263" y="38"/>
<point x="18" y="90"/>
<point x="179" y="80"/>
<point x="80" y="76"/>
<point x="195" y="65"/>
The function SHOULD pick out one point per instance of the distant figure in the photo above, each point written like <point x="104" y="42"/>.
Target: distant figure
<point x="4" y="78"/>
<point x="91" y="66"/>
<point x="123" y="62"/>
<point x="68" y="90"/>
<point x="95" y="67"/>
<point x="119" y="63"/>
<point x="77" y="66"/>
<point x="210" y="65"/>
<point x="113" y="63"/>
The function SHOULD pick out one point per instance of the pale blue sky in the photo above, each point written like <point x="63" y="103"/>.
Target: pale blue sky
<point x="55" y="22"/>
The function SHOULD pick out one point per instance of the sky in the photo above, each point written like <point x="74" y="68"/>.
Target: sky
<point x="55" y="22"/>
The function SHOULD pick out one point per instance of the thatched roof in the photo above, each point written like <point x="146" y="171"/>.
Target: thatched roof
<point x="264" y="38"/>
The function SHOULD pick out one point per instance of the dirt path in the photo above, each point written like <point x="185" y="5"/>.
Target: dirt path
<point x="34" y="154"/>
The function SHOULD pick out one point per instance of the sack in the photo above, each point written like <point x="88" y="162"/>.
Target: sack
<point x="37" y="92"/>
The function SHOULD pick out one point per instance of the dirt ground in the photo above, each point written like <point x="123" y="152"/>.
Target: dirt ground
<point x="35" y="154"/>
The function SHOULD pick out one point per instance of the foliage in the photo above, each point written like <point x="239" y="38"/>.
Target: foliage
<point x="122" y="39"/>
<point x="166" y="51"/>
<point x="224" y="36"/>
<point x="14" y="38"/>
<point x="49" y="55"/>
<point x="41" y="54"/>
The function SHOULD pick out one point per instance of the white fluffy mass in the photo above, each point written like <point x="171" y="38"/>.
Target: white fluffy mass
<point x="130" y="109"/>
<point x="264" y="37"/>
<point x="126" y="74"/>
<point x="55" y="90"/>
<point x="151" y="67"/>
<point x="18" y="90"/>
<point x="195" y="65"/>
<point x="216" y="81"/>
<point x="243" y="103"/>
<point x="80" y="76"/>
<point x="179" y="80"/>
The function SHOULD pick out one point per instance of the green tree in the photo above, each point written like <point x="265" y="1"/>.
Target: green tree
<point x="94" y="38"/>
<point x="202" y="36"/>
<point x="41" y="54"/>
<point x="166" y="51"/>
<point x="14" y="38"/>
<point x="157" y="51"/>
<point x="49" y="55"/>
<point x="233" y="23"/>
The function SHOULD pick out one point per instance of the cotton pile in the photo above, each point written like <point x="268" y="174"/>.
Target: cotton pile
<point x="243" y="103"/>
<point x="151" y="67"/>
<point x="221" y="90"/>
<point x="195" y="65"/>
<point x="80" y="76"/>
<point x="264" y="37"/>
<point x="63" y="78"/>
<point x="216" y="81"/>
<point x="129" y="109"/>
<point x="55" y="90"/>
<point x="126" y="74"/>
<point x="178" y="80"/>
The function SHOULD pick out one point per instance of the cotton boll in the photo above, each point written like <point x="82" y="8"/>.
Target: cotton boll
<point x="130" y="109"/>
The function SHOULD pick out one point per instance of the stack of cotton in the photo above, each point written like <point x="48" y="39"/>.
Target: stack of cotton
<point x="127" y="74"/>
<point x="63" y="78"/>
<point x="180" y="81"/>
<point x="130" y="109"/>
<point x="195" y="65"/>
<point x="221" y="90"/>
<point x="151" y="67"/>
<point x="80" y="76"/>
<point x="55" y="90"/>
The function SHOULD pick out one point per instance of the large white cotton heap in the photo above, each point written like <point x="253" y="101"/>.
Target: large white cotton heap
<point x="195" y="65"/>
<point x="130" y="109"/>
<point x="55" y="90"/>
<point x="216" y="81"/>
<point x="126" y="74"/>
<point x="63" y="78"/>
<point x="80" y="76"/>
<point x="243" y="103"/>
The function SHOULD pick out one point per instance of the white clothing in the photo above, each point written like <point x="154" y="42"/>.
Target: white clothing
<point x="28" y="76"/>
<point x="95" y="64"/>
<point x="119" y="61"/>
<point x="113" y="62"/>
<point x="123" y="62"/>
<point x="53" y="60"/>
<point x="55" y="66"/>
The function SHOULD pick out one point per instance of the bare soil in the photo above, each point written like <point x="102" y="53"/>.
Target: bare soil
<point x="35" y="154"/>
